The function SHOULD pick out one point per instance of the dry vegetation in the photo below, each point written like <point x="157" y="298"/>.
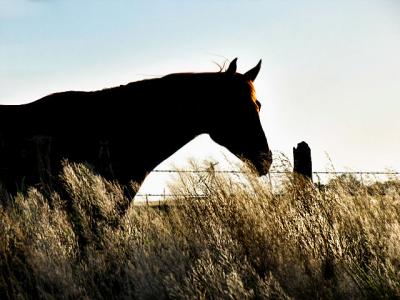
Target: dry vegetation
<point x="240" y="241"/>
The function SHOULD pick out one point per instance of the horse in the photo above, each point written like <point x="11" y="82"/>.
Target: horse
<point x="124" y="132"/>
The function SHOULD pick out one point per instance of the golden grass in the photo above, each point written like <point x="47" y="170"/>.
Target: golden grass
<point x="230" y="238"/>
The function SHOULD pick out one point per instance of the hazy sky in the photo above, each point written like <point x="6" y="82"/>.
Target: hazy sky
<point x="330" y="73"/>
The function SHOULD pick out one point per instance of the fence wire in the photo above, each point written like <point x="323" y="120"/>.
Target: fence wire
<point x="316" y="174"/>
<point x="279" y="172"/>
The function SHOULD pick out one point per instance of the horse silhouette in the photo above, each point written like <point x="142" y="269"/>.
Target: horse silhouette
<point x="125" y="132"/>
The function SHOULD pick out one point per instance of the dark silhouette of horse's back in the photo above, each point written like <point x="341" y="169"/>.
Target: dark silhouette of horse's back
<point x="125" y="132"/>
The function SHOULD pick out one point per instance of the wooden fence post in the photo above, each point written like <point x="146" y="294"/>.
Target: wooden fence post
<point x="302" y="160"/>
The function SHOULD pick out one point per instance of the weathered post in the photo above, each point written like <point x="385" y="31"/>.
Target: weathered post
<point x="302" y="160"/>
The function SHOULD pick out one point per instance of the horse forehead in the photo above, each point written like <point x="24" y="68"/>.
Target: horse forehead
<point x="254" y="96"/>
<point x="248" y="88"/>
<point x="253" y="92"/>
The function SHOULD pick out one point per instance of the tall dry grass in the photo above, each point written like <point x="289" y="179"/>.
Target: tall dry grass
<point x="228" y="238"/>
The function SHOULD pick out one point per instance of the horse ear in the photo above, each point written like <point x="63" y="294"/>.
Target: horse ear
<point x="232" y="67"/>
<point x="252" y="74"/>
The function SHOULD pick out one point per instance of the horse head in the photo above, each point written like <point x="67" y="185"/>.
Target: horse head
<point x="236" y="122"/>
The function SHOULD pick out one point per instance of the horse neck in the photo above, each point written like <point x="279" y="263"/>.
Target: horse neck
<point x="169" y="116"/>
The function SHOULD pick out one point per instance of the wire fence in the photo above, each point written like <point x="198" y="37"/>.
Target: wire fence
<point x="316" y="175"/>
<point x="281" y="172"/>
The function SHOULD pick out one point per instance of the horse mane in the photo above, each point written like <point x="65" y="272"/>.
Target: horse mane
<point x="182" y="78"/>
<point x="213" y="76"/>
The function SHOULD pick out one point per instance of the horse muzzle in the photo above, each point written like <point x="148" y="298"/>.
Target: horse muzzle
<point x="263" y="163"/>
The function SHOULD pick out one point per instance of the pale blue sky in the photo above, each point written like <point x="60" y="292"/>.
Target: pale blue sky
<point x="330" y="73"/>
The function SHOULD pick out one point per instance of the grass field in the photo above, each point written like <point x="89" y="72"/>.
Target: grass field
<point x="239" y="240"/>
